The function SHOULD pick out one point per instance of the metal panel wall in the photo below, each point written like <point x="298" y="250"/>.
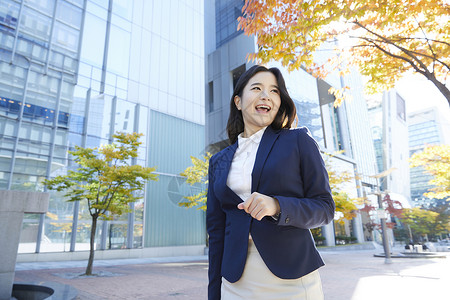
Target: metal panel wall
<point x="171" y="143"/>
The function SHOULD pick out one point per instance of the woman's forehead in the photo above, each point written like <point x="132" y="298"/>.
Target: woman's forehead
<point x="264" y="77"/>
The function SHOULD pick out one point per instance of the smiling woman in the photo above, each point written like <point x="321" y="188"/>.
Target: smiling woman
<point x="265" y="192"/>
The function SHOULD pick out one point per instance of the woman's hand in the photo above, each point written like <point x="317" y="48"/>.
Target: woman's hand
<point x="259" y="206"/>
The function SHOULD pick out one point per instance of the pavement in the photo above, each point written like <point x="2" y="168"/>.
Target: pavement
<point x="348" y="275"/>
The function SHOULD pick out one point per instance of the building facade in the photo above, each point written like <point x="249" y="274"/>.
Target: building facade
<point x="73" y="72"/>
<point x="390" y="138"/>
<point x="425" y="127"/>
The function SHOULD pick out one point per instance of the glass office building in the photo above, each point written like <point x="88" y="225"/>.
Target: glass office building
<point x="426" y="128"/>
<point x="73" y="72"/>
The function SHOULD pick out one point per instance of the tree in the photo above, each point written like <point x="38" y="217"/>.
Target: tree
<point x="423" y="222"/>
<point x="197" y="173"/>
<point x="105" y="179"/>
<point x="344" y="204"/>
<point x="393" y="207"/>
<point x="382" y="39"/>
<point x="436" y="161"/>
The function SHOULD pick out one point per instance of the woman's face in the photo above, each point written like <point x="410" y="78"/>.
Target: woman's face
<point x="259" y="103"/>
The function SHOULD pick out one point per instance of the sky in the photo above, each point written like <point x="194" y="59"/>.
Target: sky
<point x="419" y="93"/>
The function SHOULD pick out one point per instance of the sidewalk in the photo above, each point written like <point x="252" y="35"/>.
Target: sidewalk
<point x="348" y="275"/>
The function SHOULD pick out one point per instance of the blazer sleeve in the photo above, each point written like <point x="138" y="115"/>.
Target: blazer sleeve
<point x="215" y="225"/>
<point x="317" y="207"/>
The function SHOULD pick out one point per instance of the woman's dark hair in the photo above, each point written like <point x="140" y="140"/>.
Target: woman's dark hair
<point x="286" y="113"/>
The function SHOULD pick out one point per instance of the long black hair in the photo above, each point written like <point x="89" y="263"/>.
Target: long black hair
<point x="286" y="113"/>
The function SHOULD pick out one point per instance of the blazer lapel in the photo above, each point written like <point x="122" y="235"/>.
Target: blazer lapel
<point x="223" y="168"/>
<point x="264" y="148"/>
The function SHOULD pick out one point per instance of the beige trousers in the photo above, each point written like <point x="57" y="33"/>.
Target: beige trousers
<point x="258" y="282"/>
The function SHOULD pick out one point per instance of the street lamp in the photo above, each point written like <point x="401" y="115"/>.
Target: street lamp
<point x="382" y="216"/>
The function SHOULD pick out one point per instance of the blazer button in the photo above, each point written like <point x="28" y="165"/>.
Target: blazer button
<point x="287" y="220"/>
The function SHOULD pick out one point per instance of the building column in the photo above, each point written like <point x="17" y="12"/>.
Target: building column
<point x="328" y="234"/>
<point x="358" y="230"/>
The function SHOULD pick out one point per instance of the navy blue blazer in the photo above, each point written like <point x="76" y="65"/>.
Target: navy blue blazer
<point x="290" y="168"/>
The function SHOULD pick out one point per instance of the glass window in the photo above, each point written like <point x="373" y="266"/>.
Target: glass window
<point x="69" y="14"/>
<point x="92" y="141"/>
<point x="25" y="48"/>
<point x="57" y="59"/>
<point x="140" y="58"/>
<point x="121" y="22"/>
<point x="180" y="75"/>
<point x="6" y="41"/>
<point x="190" y="31"/>
<point x="65" y="37"/>
<point x="5" y="164"/>
<point x="45" y="6"/>
<point x="226" y="20"/>
<point x="143" y="124"/>
<point x="163" y="65"/>
<point x="123" y="8"/>
<point x="176" y="18"/>
<point x="137" y="234"/>
<point x="9" y="13"/>
<point x="119" y="51"/>
<point x="99" y="116"/>
<point x="102" y="3"/>
<point x="162" y="101"/>
<point x="39" y="53"/>
<point x="27" y="168"/>
<point x="60" y="151"/>
<point x="124" y="121"/>
<point x="61" y="137"/>
<point x="35" y="24"/>
<point x="139" y="7"/>
<point x="156" y="18"/>
<point x="165" y="18"/>
<point x="172" y="84"/>
<point x="93" y="40"/>
<point x="28" y="234"/>
<point x="76" y="2"/>
<point x="155" y="60"/>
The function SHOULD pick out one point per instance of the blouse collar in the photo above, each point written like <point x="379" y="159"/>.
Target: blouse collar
<point x="255" y="138"/>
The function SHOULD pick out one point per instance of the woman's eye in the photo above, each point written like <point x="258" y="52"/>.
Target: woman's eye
<point x="276" y="91"/>
<point x="256" y="88"/>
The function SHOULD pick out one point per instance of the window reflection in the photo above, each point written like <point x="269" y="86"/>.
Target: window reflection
<point x="99" y="116"/>
<point x="69" y="14"/>
<point x="35" y="25"/>
<point x="93" y="40"/>
<point x="65" y="37"/>
<point x="9" y="12"/>
<point x="28" y="234"/>
<point x="124" y="120"/>
<point x="119" y="51"/>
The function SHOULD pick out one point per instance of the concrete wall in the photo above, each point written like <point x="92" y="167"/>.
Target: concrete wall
<point x="13" y="206"/>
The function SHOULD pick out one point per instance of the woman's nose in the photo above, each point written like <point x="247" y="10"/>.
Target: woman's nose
<point x="264" y="95"/>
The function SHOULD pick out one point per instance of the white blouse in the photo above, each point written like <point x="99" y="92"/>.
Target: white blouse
<point x="240" y="175"/>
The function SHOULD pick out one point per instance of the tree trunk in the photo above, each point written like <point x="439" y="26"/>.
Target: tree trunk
<point x="442" y="88"/>
<point x="92" y="244"/>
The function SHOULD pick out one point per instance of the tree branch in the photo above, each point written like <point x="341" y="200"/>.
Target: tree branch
<point x="429" y="45"/>
<point x="406" y="51"/>
<point x="431" y="40"/>
<point x="395" y="56"/>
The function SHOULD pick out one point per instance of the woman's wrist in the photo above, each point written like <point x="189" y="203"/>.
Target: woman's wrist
<point x="277" y="214"/>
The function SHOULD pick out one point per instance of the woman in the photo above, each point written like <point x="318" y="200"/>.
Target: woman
<point x="265" y="192"/>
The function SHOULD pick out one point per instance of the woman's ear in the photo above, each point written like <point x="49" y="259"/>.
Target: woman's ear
<point x="237" y="102"/>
